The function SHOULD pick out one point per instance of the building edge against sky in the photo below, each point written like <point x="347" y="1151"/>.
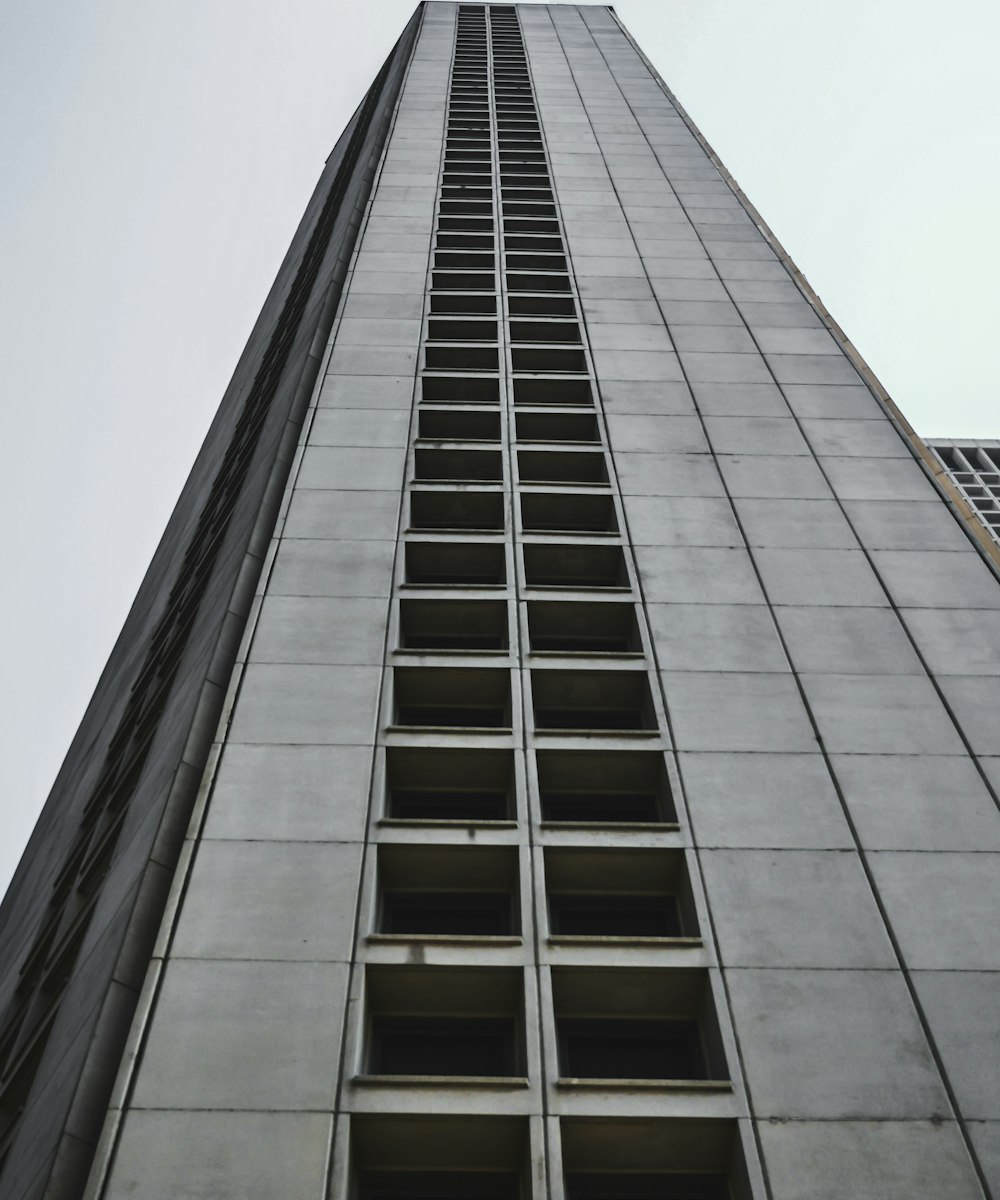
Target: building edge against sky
<point x="563" y="656"/>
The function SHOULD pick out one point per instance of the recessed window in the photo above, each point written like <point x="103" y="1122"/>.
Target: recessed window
<point x="612" y="1048"/>
<point x="541" y="306"/>
<point x="605" y="700"/>
<point x="442" y="1046"/>
<point x="651" y="1158"/>
<point x="549" y="360"/>
<point x="451" y="303"/>
<point x="456" y="510"/>
<point x="452" y="624"/>
<point x="557" y="427"/>
<point x="636" y="1024"/>
<point x="465" y="564"/>
<point x="567" y="512"/>
<point x="533" y="283"/>
<point x="443" y="1021"/>
<point x="581" y="628"/>
<point x="461" y="358"/>
<point x="456" y="697"/>
<point x="574" y="566"/>
<point x="432" y="465"/>
<point x="568" y="466"/>
<point x="462" y="331"/>
<point x="434" y="784"/>
<point x="614" y="787"/>
<point x="448" y="890"/>
<point x="469" y="389"/>
<point x="605" y="892"/>
<point x="555" y="392"/>
<point x="544" y="331"/>
<point x="458" y="425"/>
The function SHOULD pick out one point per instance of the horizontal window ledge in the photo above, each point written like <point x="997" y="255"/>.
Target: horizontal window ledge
<point x="428" y="443"/>
<point x="461" y="1081"/>
<point x="562" y="486"/>
<point x="443" y="823"/>
<point x="449" y="652"/>
<point x="478" y="730"/>
<point x="450" y="529"/>
<point x="630" y="734"/>
<point x="463" y="589"/>
<point x="613" y="826"/>
<point x="600" y="655"/>
<point x="583" y="589"/>
<point x="647" y="1085"/>
<point x="447" y="939"/>
<point x="588" y="534"/>
<point x="454" y="373"/>
<point x="614" y="939"/>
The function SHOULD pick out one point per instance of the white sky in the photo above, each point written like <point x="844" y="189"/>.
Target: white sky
<point x="156" y="159"/>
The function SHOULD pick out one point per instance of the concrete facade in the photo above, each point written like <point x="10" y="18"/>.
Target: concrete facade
<point x="605" y="581"/>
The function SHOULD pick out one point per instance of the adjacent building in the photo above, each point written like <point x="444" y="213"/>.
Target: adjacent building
<point x="554" y="750"/>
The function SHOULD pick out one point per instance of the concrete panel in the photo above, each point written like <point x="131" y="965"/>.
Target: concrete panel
<point x="244" y="1035"/>
<point x="681" y="521"/>
<point x="715" y="637"/>
<point x="957" y="641"/>
<point x="961" y="931"/>
<point x="820" y="577"/>
<point x="359" y="427"/>
<point x="319" y="629"/>
<point x="963" y="1011"/>
<point x="834" y="1045"/>
<point x="290" y="793"/>
<point x="906" y="525"/>
<point x="880" y="714"/>
<point x="774" y="475"/>
<point x="975" y="701"/>
<point x="698" y="574"/>
<point x="877" y="1160"/>
<point x="343" y="515"/>
<point x="307" y="705"/>
<point x="332" y="568"/>
<point x="938" y="580"/>
<point x="668" y="475"/>
<point x="795" y="524"/>
<point x="351" y="468"/>
<point x="763" y="800"/>
<point x="794" y="908"/>
<point x="730" y="711"/>
<point x="221" y="1156"/>
<point x="270" y="900"/>
<point x="650" y="434"/>
<point x="849" y="641"/>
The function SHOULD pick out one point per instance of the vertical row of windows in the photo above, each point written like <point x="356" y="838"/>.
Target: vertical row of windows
<point x="520" y="699"/>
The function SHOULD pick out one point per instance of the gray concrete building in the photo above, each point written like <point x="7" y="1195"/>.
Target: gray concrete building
<point x="554" y="751"/>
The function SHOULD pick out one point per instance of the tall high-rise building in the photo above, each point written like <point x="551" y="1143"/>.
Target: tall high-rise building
<point x="554" y="751"/>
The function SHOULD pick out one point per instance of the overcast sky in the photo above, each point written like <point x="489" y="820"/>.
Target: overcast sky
<point x="156" y="159"/>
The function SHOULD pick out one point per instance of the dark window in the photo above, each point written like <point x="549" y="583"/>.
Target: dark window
<point x="621" y="915"/>
<point x="468" y="564"/>
<point x="452" y="625"/>
<point x="641" y="1185"/>
<point x="433" y="464"/>
<point x="574" y="566"/>
<point x="467" y="389"/>
<point x="569" y="512"/>
<point x="456" y="510"/>
<point x="582" y="628"/>
<point x="441" y="1185"/>
<point x="630" y="1049"/>
<point x="459" y="425"/>
<point x="422" y="804"/>
<point x="487" y="913"/>
<point x="600" y="807"/>
<point x="442" y="1046"/>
